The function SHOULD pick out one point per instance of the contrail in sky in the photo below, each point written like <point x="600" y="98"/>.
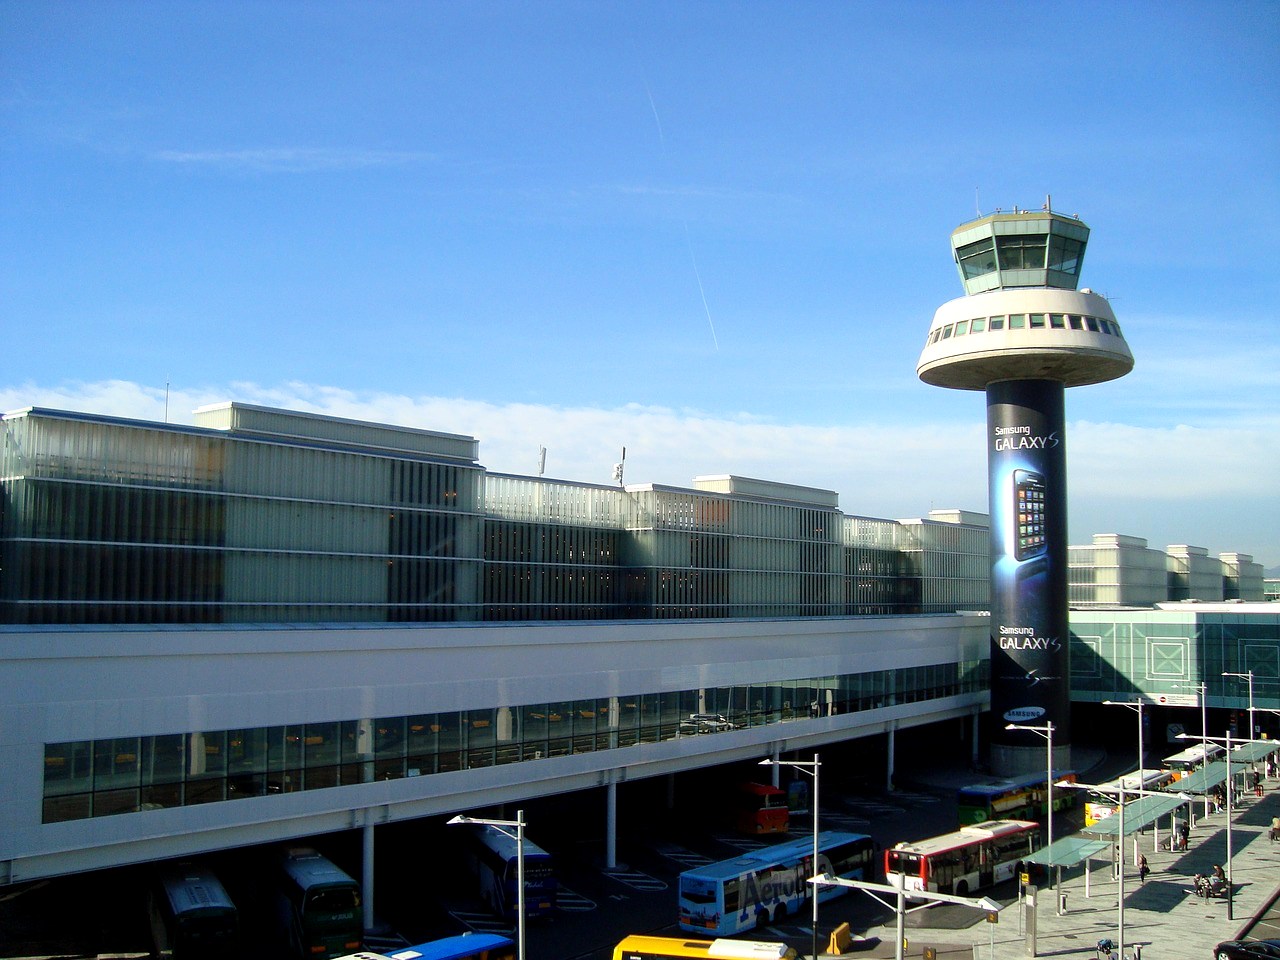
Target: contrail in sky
<point x="687" y="238"/>
<point x="698" y="277"/>
<point x="658" y="120"/>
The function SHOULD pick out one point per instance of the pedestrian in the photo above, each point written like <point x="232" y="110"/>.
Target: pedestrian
<point x="1143" y="869"/>
<point x="1184" y="834"/>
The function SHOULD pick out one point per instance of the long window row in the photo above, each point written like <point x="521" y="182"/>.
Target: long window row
<point x="97" y="778"/>
<point x="1026" y="321"/>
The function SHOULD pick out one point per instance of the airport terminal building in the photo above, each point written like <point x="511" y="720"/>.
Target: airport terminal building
<point x="274" y="624"/>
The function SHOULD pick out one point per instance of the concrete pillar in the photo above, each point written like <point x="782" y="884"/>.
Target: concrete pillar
<point x="611" y="825"/>
<point x="888" y="774"/>
<point x="366" y="878"/>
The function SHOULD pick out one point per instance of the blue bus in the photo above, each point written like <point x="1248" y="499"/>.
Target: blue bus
<point x="466" y="946"/>
<point x="492" y="859"/>
<point x="768" y="884"/>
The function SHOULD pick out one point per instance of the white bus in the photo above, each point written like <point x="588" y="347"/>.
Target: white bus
<point x="966" y="860"/>
<point x="1190" y="760"/>
<point x="1104" y="802"/>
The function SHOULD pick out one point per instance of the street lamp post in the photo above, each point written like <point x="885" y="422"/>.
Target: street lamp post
<point x="1045" y="730"/>
<point x="1142" y="755"/>
<point x="505" y="827"/>
<point x="809" y="767"/>
<point x="1247" y="676"/>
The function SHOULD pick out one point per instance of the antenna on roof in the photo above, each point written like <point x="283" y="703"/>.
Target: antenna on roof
<point x="1048" y="203"/>
<point x="166" y="401"/>
<point x="617" y="467"/>
<point x="542" y="460"/>
<point x="977" y="207"/>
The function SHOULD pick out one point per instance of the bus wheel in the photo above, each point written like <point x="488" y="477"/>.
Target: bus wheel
<point x="962" y="888"/>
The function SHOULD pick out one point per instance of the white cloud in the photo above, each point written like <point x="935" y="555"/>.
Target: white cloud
<point x="1211" y="487"/>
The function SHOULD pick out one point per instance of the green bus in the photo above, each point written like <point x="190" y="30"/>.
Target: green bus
<point x="1019" y="798"/>
<point x="318" y="904"/>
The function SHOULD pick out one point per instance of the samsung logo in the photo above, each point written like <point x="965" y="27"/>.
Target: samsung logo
<point x="1019" y="714"/>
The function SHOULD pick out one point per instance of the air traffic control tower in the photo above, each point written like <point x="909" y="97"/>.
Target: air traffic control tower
<point x="1023" y="333"/>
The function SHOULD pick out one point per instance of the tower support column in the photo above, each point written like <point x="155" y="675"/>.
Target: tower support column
<point x="1026" y="459"/>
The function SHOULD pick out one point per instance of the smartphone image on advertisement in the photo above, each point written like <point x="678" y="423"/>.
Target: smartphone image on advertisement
<point x="1028" y="514"/>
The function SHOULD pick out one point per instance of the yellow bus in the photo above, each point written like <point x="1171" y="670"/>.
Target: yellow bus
<point x="674" y="948"/>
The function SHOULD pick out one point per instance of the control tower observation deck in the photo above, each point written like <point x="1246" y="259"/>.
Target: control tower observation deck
<point x="1022" y="317"/>
<point x="1024" y="333"/>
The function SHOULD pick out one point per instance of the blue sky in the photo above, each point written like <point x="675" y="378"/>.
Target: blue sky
<point x="714" y="233"/>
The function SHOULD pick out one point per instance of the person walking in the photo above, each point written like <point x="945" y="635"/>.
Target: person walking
<point x="1143" y="869"/>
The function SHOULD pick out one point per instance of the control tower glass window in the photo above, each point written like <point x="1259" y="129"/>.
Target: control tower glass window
<point x="977" y="258"/>
<point x="1022" y="252"/>
<point x="1064" y="255"/>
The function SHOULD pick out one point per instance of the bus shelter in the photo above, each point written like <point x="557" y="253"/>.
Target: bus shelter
<point x="1204" y="781"/>
<point x="1140" y="814"/>
<point x="1254" y="751"/>
<point x="1068" y="852"/>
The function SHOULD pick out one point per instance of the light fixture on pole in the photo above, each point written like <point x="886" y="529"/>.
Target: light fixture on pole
<point x="1202" y="689"/>
<point x="506" y="827"/>
<point x="1247" y="676"/>
<point x="1142" y="761"/>
<point x="809" y="767"/>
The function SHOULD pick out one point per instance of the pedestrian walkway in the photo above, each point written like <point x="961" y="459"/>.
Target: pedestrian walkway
<point x="1163" y="918"/>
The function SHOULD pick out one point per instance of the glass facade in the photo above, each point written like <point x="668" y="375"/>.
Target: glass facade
<point x="99" y="778"/>
<point x="1131" y="653"/>
<point x="273" y="517"/>
<point x="117" y="522"/>
<point x="1020" y="249"/>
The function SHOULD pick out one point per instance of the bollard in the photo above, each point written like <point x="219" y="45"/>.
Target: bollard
<point x="1062" y="904"/>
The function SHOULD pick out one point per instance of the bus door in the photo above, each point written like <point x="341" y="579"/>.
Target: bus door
<point x="986" y="865"/>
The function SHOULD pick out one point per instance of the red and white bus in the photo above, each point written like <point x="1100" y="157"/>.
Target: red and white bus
<point x="969" y="859"/>
<point x="759" y="808"/>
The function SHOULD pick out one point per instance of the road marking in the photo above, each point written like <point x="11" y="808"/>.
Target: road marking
<point x="481" y="922"/>
<point x="740" y="843"/>
<point x="686" y="858"/>
<point x="637" y="880"/>
<point x="571" y="902"/>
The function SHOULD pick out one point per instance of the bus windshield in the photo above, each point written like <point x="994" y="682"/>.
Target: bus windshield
<point x="332" y="900"/>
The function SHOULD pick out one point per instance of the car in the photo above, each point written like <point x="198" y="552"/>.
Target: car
<point x="706" y="723"/>
<point x="1247" y="950"/>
